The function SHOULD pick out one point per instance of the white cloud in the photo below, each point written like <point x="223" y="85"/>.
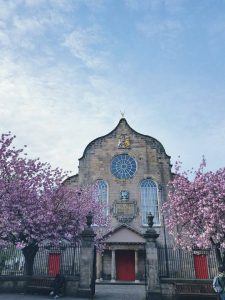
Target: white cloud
<point x="4" y="39"/>
<point x="59" y="88"/>
<point x="21" y="31"/>
<point x="26" y="25"/>
<point x="55" y="111"/>
<point x="8" y="8"/>
<point x="84" y="44"/>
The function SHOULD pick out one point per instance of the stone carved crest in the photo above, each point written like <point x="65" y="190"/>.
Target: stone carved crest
<point x="124" y="142"/>
<point x="124" y="195"/>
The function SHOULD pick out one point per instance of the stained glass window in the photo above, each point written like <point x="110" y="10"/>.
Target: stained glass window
<point x="149" y="200"/>
<point x="123" y="166"/>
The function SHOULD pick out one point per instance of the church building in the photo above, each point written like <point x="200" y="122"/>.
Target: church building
<point x="131" y="171"/>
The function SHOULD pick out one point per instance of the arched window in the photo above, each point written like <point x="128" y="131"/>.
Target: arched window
<point x="149" y="200"/>
<point x="103" y="193"/>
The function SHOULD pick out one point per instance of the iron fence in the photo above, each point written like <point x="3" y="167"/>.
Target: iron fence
<point x="178" y="263"/>
<point x="11" y="261"/>
<point x="49" y="260"/>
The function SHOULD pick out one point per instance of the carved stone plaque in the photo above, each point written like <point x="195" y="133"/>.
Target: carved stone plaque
<point x="125" y="212"/>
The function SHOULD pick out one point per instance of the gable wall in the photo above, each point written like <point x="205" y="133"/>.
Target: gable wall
<point x="149" y="154"/>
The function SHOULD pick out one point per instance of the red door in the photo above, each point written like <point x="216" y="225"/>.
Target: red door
<point x="201" y="266"/>
<point x="125" y="265"/>
<point x="53" y="264"/>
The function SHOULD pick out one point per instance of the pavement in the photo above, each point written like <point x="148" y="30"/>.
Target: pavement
<point x="120" y="292"/>
<point x="103" y="292"/>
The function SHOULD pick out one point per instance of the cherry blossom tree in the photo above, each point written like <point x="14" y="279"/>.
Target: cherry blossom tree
<point x="35" y="206"/>
<point x="195" y="209"/>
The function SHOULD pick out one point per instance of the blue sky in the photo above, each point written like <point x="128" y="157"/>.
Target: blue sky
<point x="67" y="69"/>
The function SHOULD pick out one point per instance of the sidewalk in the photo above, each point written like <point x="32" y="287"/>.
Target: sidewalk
<point x="32" y="297"/>
<point x="119" y="292"/>
<point x="103" y="292"/>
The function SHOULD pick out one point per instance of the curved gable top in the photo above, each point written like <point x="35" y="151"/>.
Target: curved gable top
<point x="155" y="144"/>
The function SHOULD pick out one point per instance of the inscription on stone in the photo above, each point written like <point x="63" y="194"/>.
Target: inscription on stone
<point x="124" y="208"/>
<point x="125" y="212"/>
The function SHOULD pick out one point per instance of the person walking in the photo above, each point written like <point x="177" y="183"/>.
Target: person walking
<point x="58" y="286"/>
<point x="219" y="283"/>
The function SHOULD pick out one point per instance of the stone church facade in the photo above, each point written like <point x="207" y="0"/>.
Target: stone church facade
<point x="131" y="171"/>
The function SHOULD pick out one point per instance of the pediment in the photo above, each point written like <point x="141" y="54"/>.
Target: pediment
<point x="125" y="235"/>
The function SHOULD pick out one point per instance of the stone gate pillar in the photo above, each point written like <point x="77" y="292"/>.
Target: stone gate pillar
<point x="86" y="260"/>
<point x="152" y="274"/>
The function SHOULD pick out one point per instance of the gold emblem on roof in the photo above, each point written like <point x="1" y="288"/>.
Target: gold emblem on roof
<point x="124" y="142"/>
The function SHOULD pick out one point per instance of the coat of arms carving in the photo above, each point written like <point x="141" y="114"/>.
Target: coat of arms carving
<point x="124" y="211"/>
<point x="124" y="142"/>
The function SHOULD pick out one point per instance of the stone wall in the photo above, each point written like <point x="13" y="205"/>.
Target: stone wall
<point x="19" y="284"/>
<point x="152" y="161"/>
<point x="181" y="289"/>
<point x="13" y="284"/>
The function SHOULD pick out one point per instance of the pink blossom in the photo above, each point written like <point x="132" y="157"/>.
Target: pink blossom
<point x="36" y="206"/>
<point x="195" y="209"/>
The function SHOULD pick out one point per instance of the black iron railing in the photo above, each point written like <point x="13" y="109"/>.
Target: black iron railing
<point x="178" y="263"/>
<point x="49" y="260"/>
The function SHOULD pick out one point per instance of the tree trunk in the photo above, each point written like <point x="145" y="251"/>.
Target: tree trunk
<point x="220" y="253"/>
<point x="223" y="258"/>
<point x="220" y="257"/>
<point x="29" y="253"/>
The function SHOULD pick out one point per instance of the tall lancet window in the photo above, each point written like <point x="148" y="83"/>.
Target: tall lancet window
<point x="149" y="200"/>
<point x="103" y="193"/>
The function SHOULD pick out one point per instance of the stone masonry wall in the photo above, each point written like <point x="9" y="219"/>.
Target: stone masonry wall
<point x="152" y="161"/>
